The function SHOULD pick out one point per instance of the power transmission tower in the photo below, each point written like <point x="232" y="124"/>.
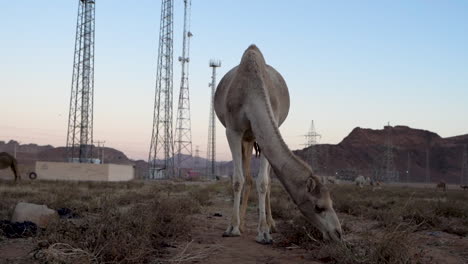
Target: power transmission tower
<point x="211" y="149"/>
<point x="311" y="140"/>
<point x="183" y="133"/>
<point x="389" y="166"/>
<point x="464" y="167"/>
<point x="160" y="160"/>
<point x="80" y="118"/>
<point x="384" y="169"/>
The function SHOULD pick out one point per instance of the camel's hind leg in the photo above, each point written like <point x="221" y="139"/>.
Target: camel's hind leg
<point x="14" y="168"/>
<point x="235" y="144"/>
<point x="247" y="148"/>
<point x="269" y="217"/>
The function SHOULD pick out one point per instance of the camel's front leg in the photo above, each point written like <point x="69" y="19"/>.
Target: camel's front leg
<point x="246" y="156"/>
<point x="235" y="144"/>
<point x="263" y="182"/>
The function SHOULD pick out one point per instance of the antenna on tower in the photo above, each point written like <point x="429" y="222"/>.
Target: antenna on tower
<point x="161" y="153"/>
<point x="311" y="140"/>
<point x="80" y="119"/>
<point x="183" y="132"/>
<point x="211" y="149"/>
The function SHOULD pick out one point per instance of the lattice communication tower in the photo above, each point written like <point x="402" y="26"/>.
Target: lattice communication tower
<point x="211" y="149"/>
<point x="80" y="119"/>
<point x="183" y="132"/>
<point x="312" y="138"/>
<point x="160" y="160"/>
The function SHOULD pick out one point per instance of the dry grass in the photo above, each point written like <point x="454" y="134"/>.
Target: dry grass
<point x="119" y="222"/>
<point x="399" y="212"/>
<point x="150" y="222"/>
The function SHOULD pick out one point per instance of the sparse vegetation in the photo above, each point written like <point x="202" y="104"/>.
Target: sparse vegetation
<point x="397" y="213"/>
<point x="152" y="222"/>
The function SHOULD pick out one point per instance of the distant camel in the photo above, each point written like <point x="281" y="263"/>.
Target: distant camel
<point x="8" y="161"/>
<point x="361" y="181"/>
<point x="464" y="187"/>
<point x="442" y="185"/>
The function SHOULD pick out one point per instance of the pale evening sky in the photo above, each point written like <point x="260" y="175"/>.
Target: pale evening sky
<point x="347" y="64"/>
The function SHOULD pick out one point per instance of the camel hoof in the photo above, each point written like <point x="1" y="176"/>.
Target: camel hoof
<point x="232" y="232"/>
<point x="264" y="239"/>
<point x="230" y="235"/>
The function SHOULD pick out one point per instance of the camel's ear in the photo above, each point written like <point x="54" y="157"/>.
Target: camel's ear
<point x="310" y="184"/>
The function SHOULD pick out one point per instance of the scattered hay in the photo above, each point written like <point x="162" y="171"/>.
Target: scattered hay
<point x="191" y="256"/>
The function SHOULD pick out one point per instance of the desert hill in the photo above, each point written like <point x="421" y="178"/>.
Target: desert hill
<point x="363" y="150"/>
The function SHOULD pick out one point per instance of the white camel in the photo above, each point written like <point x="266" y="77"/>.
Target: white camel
<point x="252" y="101"/>
<point x="361" y="181"/>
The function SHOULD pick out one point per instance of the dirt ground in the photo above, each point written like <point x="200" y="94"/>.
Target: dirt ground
<point x="204" y="244"/>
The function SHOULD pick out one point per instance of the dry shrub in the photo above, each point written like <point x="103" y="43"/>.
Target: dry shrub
<point x="202" y="195"/>
<point x="392" y="246"/>
<point x="137" y="235"/>
<point x="299" y="232"/>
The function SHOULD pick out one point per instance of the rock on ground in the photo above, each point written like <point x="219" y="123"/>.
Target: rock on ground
<point x="41" y="215"/>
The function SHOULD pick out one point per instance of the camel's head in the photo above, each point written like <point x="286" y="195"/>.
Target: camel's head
<point x="317" y="206"/>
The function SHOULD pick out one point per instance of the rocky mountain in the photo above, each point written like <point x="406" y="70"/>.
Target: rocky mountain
<point x="366" y="151"/>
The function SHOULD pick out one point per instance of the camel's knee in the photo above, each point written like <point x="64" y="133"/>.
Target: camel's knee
<point x="237" y="185"/>
<point x="262" y="187"/>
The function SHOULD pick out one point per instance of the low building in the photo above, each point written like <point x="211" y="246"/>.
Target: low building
<point x="46" y="170"/>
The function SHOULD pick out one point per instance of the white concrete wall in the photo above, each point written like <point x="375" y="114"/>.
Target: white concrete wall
<point x="121" y="172"/>
<point x="83" y="171"/>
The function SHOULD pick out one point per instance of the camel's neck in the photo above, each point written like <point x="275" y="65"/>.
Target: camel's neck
<point x="290" y="170"/>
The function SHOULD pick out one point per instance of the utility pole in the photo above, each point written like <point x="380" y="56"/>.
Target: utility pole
<point x="161" y="154"/>
<point x="196" y="160"/>
<point x="428" y="172"/>
<point x="100" y="151"/>
<point x="211" y="149"/>
<point x="408" y="168"/>
<point x="80" y="119"/>
<point x="183" y="132"/>
<point x="14" y="149"/>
